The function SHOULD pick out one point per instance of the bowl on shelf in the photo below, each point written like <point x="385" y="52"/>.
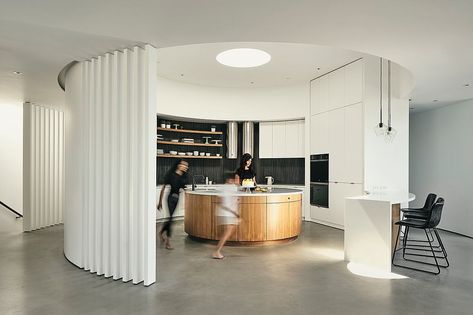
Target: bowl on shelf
<point x="190" y="153"/>
<point x="207" y="154"/>
<point x="174" y="140"/>
<point x="202" y="153"/>
<point x="196" y="153"/>
<point x="173" y="152"/>
<point x="216" y="141"/>
<point x="218" y="154"/>
<point x="181" y="153"/>
<point x="160" y="151"/>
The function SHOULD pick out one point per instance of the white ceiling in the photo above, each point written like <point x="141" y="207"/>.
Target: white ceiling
<point x="430" y="38"/>
<point x="290" y="64"/>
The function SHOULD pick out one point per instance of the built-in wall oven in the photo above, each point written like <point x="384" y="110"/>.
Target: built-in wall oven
<point x="319" y="180"/>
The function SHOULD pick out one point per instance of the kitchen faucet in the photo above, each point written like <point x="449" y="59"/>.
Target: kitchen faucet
<point x="193" y="180"/>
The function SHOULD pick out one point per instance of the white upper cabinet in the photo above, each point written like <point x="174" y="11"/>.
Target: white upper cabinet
<point x="340" y="134"/>
<point x="301" y="139"/>
<point x="282" y="139"/>
<point x="354" y="143"/>
<point x="319" y="129"/>
<point x="279" y="139"/>
<point x="336" y="89"/>
<point x="319" y="100"/>
<point x="314" y="134"/>
<point x="295" y="138"/>
<point x="336" y="143"/>
<point x="354" y="82"/>
<point x="266" y="140"/>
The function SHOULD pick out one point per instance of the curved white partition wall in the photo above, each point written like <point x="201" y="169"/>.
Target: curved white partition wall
<point x="110" y="218"/>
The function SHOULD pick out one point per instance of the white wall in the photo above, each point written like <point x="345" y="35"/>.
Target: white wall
<point x="441" y="151"/>
<point x="386" y="164"/>
<point x="11" y="156"/>
<point x="256" y="104"/>
<point x="43" y="166"/>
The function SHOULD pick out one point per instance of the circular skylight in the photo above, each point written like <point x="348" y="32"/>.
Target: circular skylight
<point x="243" y="57"/>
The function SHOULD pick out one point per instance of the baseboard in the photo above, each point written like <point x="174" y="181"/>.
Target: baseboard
<point x="467" y="236"/>
<point x="333" y="225"/>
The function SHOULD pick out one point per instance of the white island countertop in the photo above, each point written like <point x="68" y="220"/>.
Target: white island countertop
<point x="392" y="197"/>
<point x="275" y="191"/>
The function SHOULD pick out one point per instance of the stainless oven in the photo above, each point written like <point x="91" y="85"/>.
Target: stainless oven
<point x="319" y="194"/>
<point x="319" y="168"/>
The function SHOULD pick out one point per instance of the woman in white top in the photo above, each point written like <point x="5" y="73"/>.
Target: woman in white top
<point x="227" y="215"/>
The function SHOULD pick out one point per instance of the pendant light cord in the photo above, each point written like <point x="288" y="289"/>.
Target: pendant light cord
<point x="380" y="92"/>
<point x="389" y="95"/>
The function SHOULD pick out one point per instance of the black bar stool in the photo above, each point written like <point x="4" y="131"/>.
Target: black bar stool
<point x="421" y="213"/>
<point x="429" y="223"/>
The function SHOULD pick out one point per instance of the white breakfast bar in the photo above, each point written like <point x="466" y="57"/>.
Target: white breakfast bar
<point x="369" y="228"/>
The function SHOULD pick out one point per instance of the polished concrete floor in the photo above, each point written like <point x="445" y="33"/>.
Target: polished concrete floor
<point x="307" y="276"/>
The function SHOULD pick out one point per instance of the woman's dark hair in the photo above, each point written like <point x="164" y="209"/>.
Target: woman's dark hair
<point x="245" y="157"/>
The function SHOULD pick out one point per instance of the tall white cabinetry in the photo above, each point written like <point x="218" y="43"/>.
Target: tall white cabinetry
<point x="336" y="128"/>
<point x="281" y="139"/>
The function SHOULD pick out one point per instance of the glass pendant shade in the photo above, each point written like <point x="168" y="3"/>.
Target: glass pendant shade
<point x="380" y="129"/>
<point x="390" y="134"/>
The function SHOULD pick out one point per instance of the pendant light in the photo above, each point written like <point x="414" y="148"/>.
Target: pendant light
<point x="390" y="131"/>
<point x="380" y="128"/>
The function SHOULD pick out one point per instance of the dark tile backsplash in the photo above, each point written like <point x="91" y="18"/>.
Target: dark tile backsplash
<point x="284" y="171"/>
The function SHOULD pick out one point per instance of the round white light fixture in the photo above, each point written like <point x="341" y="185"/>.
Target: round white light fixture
<point x="243" y="57"/>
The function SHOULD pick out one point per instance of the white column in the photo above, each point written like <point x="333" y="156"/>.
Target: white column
<point x="111" y="101"/>
<point x="43" y="136"/>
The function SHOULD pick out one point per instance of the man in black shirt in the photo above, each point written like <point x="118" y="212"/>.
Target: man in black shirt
<point x="176" y="179"/>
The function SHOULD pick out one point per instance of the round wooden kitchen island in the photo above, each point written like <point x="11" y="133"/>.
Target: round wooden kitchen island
<point x="265" y="217"/>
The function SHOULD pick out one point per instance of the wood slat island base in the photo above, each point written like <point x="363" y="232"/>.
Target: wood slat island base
<point x="266" y="218"/>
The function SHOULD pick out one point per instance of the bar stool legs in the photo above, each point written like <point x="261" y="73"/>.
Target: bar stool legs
<point x="408" y="250"/>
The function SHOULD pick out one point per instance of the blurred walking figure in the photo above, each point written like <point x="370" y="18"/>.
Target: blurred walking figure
<point x="227" y="215"/>
<point x="176" y="178"/>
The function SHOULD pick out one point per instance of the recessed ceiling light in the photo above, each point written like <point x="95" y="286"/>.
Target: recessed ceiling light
<point x="17" y="72"/>
<point x="435" y="100"/>
<point x="182" y="74"/>
<point x="252" y="82"/>
<point x="318" y="68"/>
<point x="467" y="85"/>
<point x="243" y="57"/>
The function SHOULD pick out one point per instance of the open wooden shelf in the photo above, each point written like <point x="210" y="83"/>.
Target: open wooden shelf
<point x="167" y="155"/>
<point x="192" y="131"/>
<point x="190" y="144"/>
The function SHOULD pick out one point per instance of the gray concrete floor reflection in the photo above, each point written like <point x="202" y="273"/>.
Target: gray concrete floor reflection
<point x="307" y="276"/>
